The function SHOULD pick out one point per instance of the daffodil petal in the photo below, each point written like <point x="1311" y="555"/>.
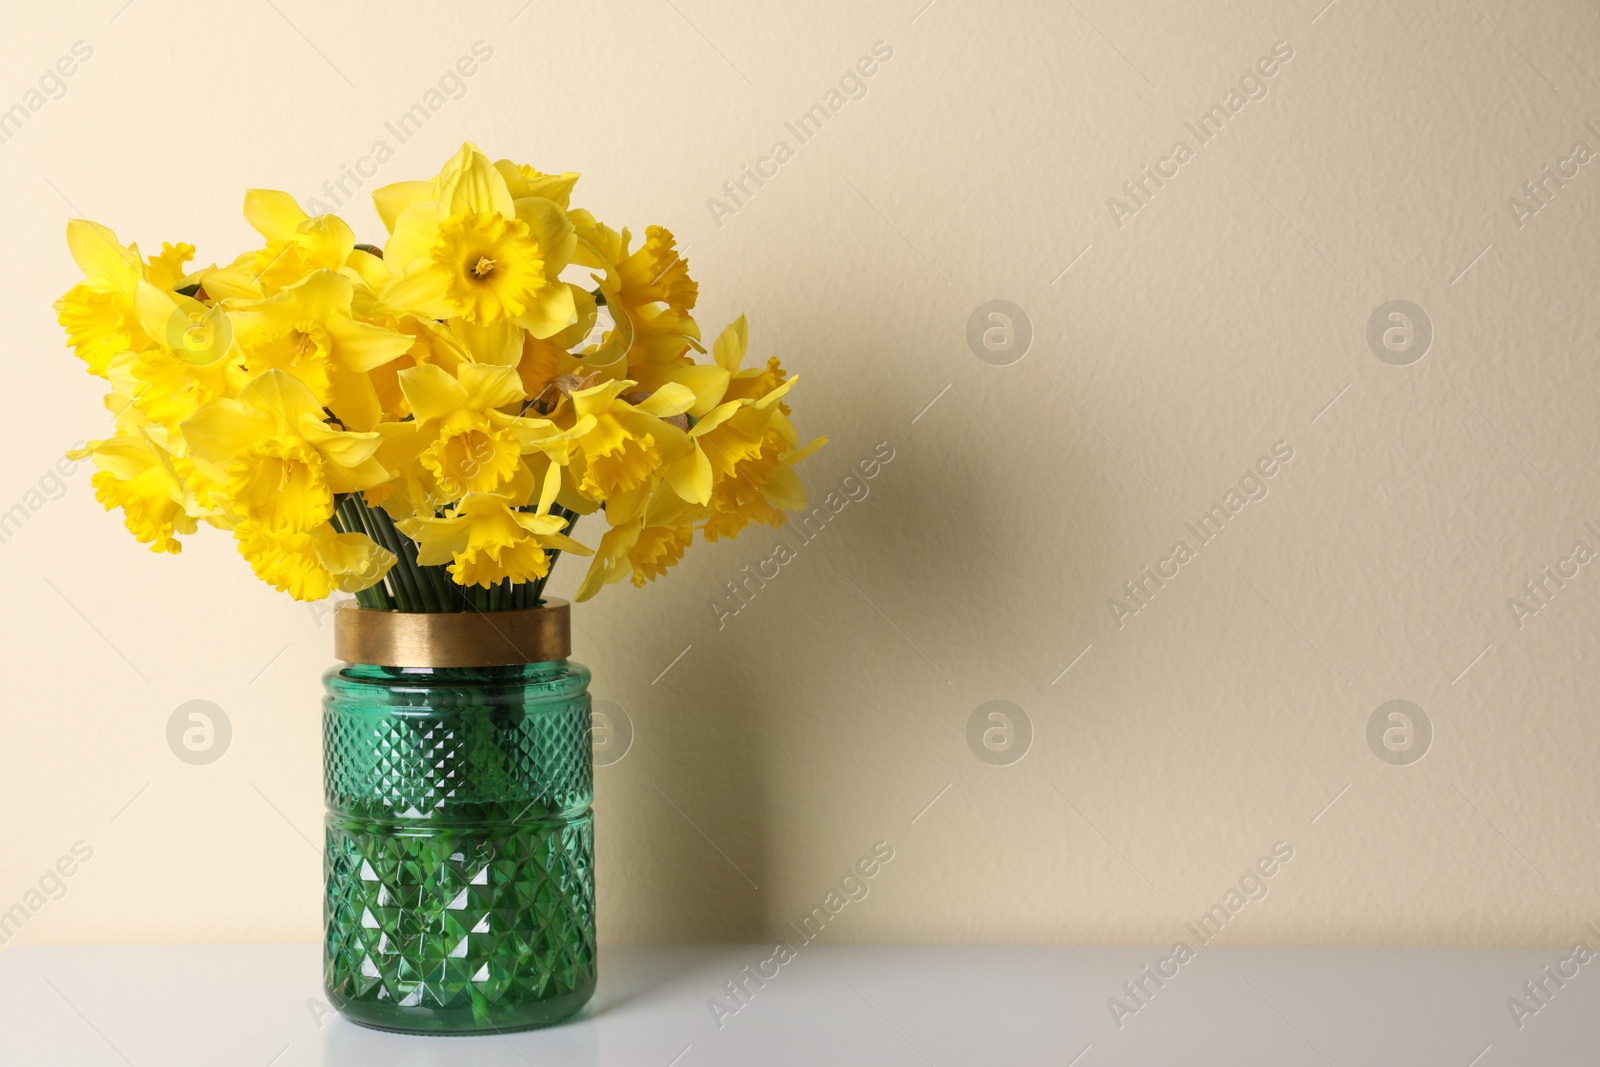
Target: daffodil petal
<point x="716" y="417"/>
<point x="422" y="290"/>
<point x="328" y="240"/>
<point x="794" y="456"/>
<point x="98" y="253"/>
<point x="565" y="544"/>
<point x="431" y="391"/>
<point x="222" y="429"/>
<point x="552" y="310"/>
<point x="391" y="200"/>
<point x="709" y="383"/>
<point x="195" y="333"/>
<point x="318" y="296"/>
<point x="413" y="236"/>
<point x="550" y="489"/>
<point x="469" y="182"/>
<point x="275" y="214"/>
<point x="282" y="395"/>
<point x="670" y="399"/>
<point x="368" y="269"/>
<point x="438" y="540"/>
<point x="490" y="387"/>
<point x="499" y="343"/>
<point x="690" y="477"/>
<point x="783" y="490"/>
<point x="360" y="346"/>
<point x="344" y="448"/>
<point x="609" y="560"/>
<point x="550" y="227"/>
<point x="772" y="398"/>
<point x="597" y="398"/>
<point x="355" y="560"/>
<point x="353" y="400"/>
<point x="731" y="345"/>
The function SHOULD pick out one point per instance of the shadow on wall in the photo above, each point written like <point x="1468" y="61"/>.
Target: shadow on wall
<point x="682" y="834"/>
<point x="690" y="835"/>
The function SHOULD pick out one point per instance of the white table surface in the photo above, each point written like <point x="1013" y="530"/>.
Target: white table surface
<point x="261" y="1005"/>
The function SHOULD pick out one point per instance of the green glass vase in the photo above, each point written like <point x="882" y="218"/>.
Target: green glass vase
<point x="460" y="846"/>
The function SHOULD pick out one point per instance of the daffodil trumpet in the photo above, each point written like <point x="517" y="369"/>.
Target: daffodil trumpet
<point x="421" y="423"/>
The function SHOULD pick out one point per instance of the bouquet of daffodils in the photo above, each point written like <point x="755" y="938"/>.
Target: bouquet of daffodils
<point x="423" y="424"/>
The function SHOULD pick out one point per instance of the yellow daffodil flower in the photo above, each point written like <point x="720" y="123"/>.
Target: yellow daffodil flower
<point x="475" y="252"/>
<point x="487" y="540"/>
<point x="634" y="550"/>
<point x="98" y="312"/>
<point x="191" y="358"/>
<point x="297" y="244"/>
<point x="642" y="549"/>
<point x="761" y="488"/>
<point x="648" y="292"/>
<point x="309" y="565"/>
<point x="281" y="465"/>
<point x="307" y="330"/>
<point x="136" y="476"/>
<point x="618" y="456"/>
<point x="745" y="383"/>
<point x="523" y="180"/>
<point x="465" y="442"/>
<point x="735" y="429"/>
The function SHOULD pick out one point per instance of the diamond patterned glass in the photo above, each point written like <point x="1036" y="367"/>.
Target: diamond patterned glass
<point x="460" y="846"/>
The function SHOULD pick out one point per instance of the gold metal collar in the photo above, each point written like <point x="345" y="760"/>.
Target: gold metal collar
<point x="453" y="638"/>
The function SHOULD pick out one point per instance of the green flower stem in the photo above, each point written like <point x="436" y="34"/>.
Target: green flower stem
<point x="380" y="530"/>
<point x="438" y="580"/>
<point x="405" y="551"/>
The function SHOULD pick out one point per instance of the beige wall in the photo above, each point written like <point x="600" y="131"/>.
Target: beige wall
<point x="1177" y="342"/>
